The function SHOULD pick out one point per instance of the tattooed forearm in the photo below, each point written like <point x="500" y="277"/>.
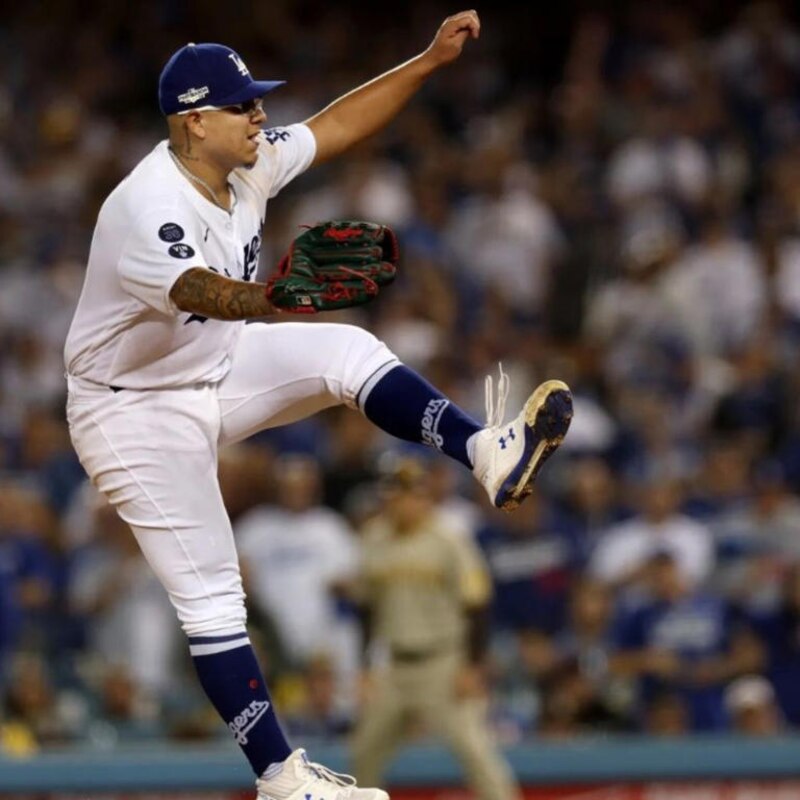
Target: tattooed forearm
<point x="201" y="291"/>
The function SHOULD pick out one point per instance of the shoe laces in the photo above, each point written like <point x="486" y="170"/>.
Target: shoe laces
<point x="324" y="773"/>
<point x="495" y="412"/>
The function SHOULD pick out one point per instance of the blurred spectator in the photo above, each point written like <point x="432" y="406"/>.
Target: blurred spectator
<point x="563" y="701"/>
<point x="631" y="315"/>
<point x="593" y="499"/>
<point x="658" y="160"/>
<point x="718" y="289"/>
<point x="297" y="556"/>
<point x="750" y="703"/>
<point x="667" y="714"/>
<point x="779" y="629"/>
<point x="759" y="58"/>
<point x="122" y="711"/>
<point x="686" y="641"/>
<point x="626" y="549"/>
<point x="32" y="704"/>
<point x="533" y="559"/>
<point x="459" y="512"/>
<point x="244" y="476"/>
<point x="654" y="443"/>
<point x="27" y="571"/>
<point x="757" y="542"/>
<point x="576" y="663"/>
<point x="721" y="485"/>
<point x="126" y="616"/>
<point x="752" y="410"/>
<point x="507" y="240"/>
<point x="319" y="716"/>
<point x="350" y="461"/>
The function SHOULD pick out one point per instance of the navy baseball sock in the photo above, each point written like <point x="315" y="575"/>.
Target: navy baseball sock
<point x="232" y="680"/>
<point x="404" y="404"/>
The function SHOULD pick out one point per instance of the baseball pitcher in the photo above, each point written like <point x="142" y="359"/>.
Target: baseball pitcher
<point x="162" y="370"/>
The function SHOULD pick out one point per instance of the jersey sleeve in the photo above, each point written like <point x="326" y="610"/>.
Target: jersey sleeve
<point x="284" y="154"/>
<point x="160" y="247"/>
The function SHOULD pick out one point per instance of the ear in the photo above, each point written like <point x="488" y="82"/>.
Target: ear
<point x="194" y="125"/>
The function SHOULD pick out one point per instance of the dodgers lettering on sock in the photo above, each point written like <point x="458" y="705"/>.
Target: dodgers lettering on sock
<point x="430" y="423"/>
<point x="404" y="404"/>
<point x="233" y="682"/>
<point x="243" y="723"/>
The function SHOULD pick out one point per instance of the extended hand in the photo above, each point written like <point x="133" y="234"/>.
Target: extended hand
<point x="453" y="32"/>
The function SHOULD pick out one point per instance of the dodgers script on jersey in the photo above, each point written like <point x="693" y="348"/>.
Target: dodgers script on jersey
<point x="153" y="227"/>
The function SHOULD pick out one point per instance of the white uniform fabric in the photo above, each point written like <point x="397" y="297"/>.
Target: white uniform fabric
<point x="154" y="226"/>
<point x="189" y="386"/>
<point x="153" y="454"/>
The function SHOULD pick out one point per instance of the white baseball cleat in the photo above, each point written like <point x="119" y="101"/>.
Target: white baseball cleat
<point x="509" y="455"/>
<point x="297" y="778"/>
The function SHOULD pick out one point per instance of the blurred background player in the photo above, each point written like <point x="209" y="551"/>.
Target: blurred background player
<point x="424" y="592"/>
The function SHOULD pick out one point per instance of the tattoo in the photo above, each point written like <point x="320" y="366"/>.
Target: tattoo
<point x="185" y="152"/>
<point x="200" y="291"/>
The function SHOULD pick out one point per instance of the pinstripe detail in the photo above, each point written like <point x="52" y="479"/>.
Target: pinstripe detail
<point x="229" y="637"/>
<point x="218" y="647"/>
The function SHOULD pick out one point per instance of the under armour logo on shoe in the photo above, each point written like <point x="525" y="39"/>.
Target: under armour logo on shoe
<point x="511" y="435"/>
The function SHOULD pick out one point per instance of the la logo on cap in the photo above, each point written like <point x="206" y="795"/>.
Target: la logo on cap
<point x="237" y="59"/>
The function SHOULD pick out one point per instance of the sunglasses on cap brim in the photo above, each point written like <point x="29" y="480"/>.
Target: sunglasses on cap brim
<point x="249" y="107"/>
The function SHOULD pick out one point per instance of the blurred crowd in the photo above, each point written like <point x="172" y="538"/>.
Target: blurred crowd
<point x="613" y="201"/>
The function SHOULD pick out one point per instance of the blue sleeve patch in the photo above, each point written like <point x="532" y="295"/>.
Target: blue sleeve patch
<point x="170" y="232"/>
<point x="181" y="251"/>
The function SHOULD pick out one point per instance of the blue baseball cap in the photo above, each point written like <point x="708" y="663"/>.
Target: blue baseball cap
<point x="207" y="75"/>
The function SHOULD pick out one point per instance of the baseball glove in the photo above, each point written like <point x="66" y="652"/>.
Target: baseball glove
<point x="334" y="265"/>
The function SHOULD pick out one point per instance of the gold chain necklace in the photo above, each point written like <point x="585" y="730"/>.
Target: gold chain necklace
<point x="200" y="182"/>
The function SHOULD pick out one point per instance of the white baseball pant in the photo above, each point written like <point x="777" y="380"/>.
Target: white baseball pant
<point x="153" y="454"/>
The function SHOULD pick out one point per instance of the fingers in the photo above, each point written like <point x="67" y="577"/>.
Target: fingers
<point x="451" y="36"/>
<point x="464" y="21"/>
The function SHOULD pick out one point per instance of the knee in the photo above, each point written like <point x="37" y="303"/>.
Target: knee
<point x="358" y="342"/>
<point x="364" y="359"/>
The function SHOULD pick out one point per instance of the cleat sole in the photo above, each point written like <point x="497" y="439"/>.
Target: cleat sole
<point x="548" y="413"/>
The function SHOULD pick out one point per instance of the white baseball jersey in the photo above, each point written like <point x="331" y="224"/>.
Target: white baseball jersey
<point x="153" y="227"/>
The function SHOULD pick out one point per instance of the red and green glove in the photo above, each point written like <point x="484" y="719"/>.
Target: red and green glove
<point x="334" y="265"/>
